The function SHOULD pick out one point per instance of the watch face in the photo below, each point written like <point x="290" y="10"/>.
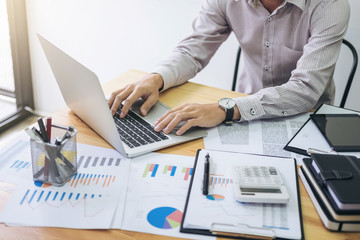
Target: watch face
<point x="227" y="103"/>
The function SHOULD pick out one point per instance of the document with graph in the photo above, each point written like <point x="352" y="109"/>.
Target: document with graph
<point x="156" y="194"/>
<point x="88" y="200"/>
<point x="217" y="210"/>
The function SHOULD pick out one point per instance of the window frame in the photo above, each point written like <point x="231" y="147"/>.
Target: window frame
<point x="19" y="44"/>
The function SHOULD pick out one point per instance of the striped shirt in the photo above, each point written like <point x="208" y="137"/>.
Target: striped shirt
<point x="288" y="56"/>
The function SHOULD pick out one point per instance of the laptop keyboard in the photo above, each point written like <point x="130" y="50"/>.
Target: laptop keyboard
<point x="135" y="131"/>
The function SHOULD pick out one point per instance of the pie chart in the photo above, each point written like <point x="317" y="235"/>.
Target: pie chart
<point x="215" y="197"/>
<point x="165" y="217"/>
<point x="41" y="184"/>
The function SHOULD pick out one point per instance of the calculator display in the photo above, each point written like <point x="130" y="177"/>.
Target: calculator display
<point x="247" y="191"/>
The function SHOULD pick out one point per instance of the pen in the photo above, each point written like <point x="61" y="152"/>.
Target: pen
<point x="42" y="129"/>
<point x="37" y="133"/>
<point x="61" y="156"/>
<point x="48" y="128"/>
<point x="32" y="134"/>
<point x="206" y="174"/>
<point x="67" y="134"/>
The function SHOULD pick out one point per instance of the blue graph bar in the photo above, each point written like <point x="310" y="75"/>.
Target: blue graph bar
<point x="77" y="196"/>
<point x="55" y="196"/>
<point x="154" y="170"/>
<point x="62" y="197"/>
<point x="27" y="192"/>
<point x="92" y="195"/>
<point x="47" y="197"/>
<point x="70" y="196"/>
<point x="14" y="163"/>
<point x="26" y="164"/>
<point x="19" y="164"/>
<point x="173" y="171"/>
<point x="32" y="196"/>
<point x="191" y="171"/>
<point x="42" y="192"/>
<point x="85" y="195"/>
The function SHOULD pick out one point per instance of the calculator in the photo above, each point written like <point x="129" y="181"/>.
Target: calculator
<point x="259" y="184"/>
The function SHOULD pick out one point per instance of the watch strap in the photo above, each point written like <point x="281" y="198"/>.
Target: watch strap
<point x="229" y="115"/>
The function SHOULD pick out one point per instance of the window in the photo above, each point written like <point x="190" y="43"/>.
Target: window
<point x="15" y="76"/>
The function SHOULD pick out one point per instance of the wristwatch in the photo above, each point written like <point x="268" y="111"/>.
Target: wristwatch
<point x="228" y="104"/>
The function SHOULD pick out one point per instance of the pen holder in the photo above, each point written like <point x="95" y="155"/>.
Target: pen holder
<point x="55" y="162"/>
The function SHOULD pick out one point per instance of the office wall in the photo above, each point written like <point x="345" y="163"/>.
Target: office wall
<point x="112" y="36"/>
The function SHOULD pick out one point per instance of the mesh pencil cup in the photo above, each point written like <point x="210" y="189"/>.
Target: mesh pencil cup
<point x="55" y="162"/>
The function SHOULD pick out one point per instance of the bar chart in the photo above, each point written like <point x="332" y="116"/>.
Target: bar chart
<point x="218" y="181"/>
<point x="151" y="170"/>
<point x="187" y="172"/>
<point x="92" y="161"/>
<point x="50" y="196"/>
<point x="168" y="169"/>
<point x="90" y="179"/>
<point x="19" y="165"/>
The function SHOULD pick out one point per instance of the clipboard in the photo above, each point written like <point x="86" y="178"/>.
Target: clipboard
<point x="316" y="143"/>
<point x="233" y="229"/>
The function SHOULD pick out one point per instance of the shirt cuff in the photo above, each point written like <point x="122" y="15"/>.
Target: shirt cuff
<point x="166" y="76"/>
<point x="249" y="107"/>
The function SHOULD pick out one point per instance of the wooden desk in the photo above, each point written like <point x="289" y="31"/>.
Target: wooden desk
<point x="189" y="92"/>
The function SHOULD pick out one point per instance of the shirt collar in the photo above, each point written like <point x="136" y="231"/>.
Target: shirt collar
<point x="299" y="3"/>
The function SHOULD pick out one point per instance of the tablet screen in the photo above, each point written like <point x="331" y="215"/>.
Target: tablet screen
<point x="342" y="131"/>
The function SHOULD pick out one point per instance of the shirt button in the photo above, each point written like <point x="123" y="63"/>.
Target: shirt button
<point x="266" y="67"/>
<point x="267" y="44"/>
<point x="269" y="19"/>
<point x="284" y="113"/>
<point x="252" y="111"/>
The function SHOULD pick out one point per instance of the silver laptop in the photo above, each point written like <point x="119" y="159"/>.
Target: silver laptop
<point x="83" y="94"/>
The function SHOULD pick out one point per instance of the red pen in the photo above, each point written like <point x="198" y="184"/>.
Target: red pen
<point x="48" y="127"/>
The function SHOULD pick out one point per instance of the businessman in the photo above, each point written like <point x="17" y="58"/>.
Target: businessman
<point x="289" y="51"/>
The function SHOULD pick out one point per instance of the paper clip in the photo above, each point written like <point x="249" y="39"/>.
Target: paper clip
<point x="242" y="230"/>
<point x="318" y="151"/>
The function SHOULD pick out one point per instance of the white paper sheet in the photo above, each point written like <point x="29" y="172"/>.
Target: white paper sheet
<point x="87" y="200"/>
<point x="156" y="194"/>
<point x="266" y="137"/>
<point x="219" y="206"/>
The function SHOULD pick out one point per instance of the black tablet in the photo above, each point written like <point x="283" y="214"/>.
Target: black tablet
<point x="341" y="131"/>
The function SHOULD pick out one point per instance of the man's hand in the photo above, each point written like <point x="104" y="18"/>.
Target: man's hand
<point x="147" y="89"/>
<point x="193" y="114"/>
